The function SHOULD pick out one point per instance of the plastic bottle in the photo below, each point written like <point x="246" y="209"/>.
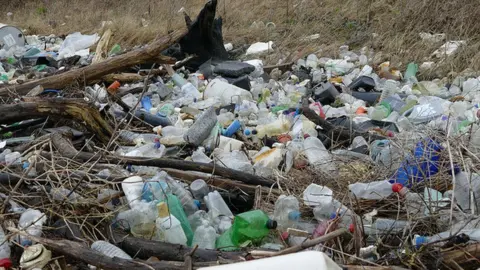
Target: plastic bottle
<point x="176" y="209"/>
<point x="4" y="251"/>
<point x="280" y="126"/>
<point x="155" y="189"/>
<point x="232" y="129"/>
<point x="376" y="190"/>
<point x="383" y="226"/>
<point x="199" y="189"/>
<point x="183" y="195"/>
<point x="286" y="212"/>
<point x="197" y="219"/>
<point x="168" y="226"/>
<point x="32" y="221"/>
<point x="323" y="226"/>
<point x="205" y="236"/>
<point x="380" y="111"/>
<point x="110" y="250"/>
<point x="227" y="93"/>
<point x="13" y="158"/>
<point x="133" y="187"/>
<point x="188" y="88"/>
<point x="150" y="150"/>
<point x="318" y="156"/>
<point x="474" y="235"/>
<point x="252" y="225"/>
<point x="216" y="205"/>
<point x="414" y="202"/>
<point x="389" y="88"/>
<point x="202" y="127"/>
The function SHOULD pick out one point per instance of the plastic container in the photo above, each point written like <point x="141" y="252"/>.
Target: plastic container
<point x="32" y="221"/>
<point x="318" y="156"/>
<point x="197" y="219"/>
<point x="232" y="129"/>
<point x="280" y="126"/>
<point x="202" y="127"/>
<point x="176" y="209"/>
<point x="389" y="89"/>
<point x="316" y="195"/>
<point x="227" y="93"/>
<point x="169" y="228"/>
<point x="216" y="205"/>
<point x="4" y="250"/>
<point x="205" y="236"/>
<point x="308" y="260"/>
<point x="133" y="188"/>
<point x="371" y="191"/>
<point x="183" y="195"/>
<point x="286" y="212"/>
<point x="110" y="250"/>
<point x="418" y="240"/>
<point x="199" y="189"/>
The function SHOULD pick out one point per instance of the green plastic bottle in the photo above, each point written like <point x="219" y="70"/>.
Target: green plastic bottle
<point x="116" y="49"/>
<point x="176" y="209"/>
<point x="249" y="226"/>
<point x="411" y="71"/>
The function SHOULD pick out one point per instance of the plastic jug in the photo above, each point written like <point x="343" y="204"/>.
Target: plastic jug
<point x="205" y="236"/>
<point x="286" y="212"/>
<point x="216" y="205"/>
<point x="109" y="250"/>
<point x="169" y="229"/>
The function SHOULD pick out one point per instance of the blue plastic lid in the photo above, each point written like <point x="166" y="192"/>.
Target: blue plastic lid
<point x="333" y="215"/>
<point x="26" y="242"/>
<point x="294" y="215"/>
<point x="25" y="165"/>
<point x="247" y="132"/>
<point x="420" y="240"/>
<point x="197" y="203"/>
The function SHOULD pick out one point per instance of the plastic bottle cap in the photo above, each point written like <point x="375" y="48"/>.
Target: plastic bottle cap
<point x="285" y="235"/>
<point x="397" y="187"/>
<point x="247" y="132"/>
<point x="351" y="228"/>
<point x="271" y="224"/>
<point x="163" y="210"/>
<point x="419" y="240"/>
<point x="5" y="263"/>
<point x="333" y="215"/>
<point x="294" y="215"/>
<point x="197" y="203"/>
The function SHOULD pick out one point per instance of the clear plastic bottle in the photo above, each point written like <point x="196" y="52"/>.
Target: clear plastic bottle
<point x="383" y="226"/>
<point x="205" y="236"/>
<point x="280" y="126"/>
<point x="110" y="250"/>
<point x="155" y="189"/>
<point x="318" y="156"/>
<point x="199" y="189"/>
<point x="389" y="89"/>
<point x="169" y="227"/>
<point x="32" y="221"/>
<point x="286" y="212"/>
<point x="182" y="194"/>
<point x="418" y="240"/>
<point x="414" y="202"/>
<point x="216" y="205"/>
<point x="376" y="190"/>
<point x="4" y="249"/>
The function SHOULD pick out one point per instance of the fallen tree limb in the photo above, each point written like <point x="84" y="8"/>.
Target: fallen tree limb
<point x="78" y="251"/>
<point x="75" y="109"/>
<point x="123" y="77"/>
<point x="145" y="249"/>
<point x="97" y="70"/>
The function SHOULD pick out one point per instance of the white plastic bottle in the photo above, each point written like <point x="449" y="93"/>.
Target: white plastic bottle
<point x="4" y="249"/>
<point x="133" y="187"/>
<point x="205" y="236"/>
<point x="216" y="205"/>
<point x="197" y="219"/>
<point x="169" y="227"/>
<point x="32" y="222"/>
<point x="389" y="89"/>
<point x="110" y="250"/>
<point x="286" y="212"/>
<point x="183" y="195"/>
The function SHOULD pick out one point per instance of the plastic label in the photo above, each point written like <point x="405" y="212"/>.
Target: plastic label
<point x="9" y="40"/>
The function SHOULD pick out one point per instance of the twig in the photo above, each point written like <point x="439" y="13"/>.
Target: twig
<point x="188" y="258"/>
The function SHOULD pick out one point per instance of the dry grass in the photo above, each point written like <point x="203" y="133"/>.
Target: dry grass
<point x="397" y="24"/>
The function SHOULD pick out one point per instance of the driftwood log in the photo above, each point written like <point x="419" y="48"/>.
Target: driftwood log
<point x="75" y="109"/>
<point x="97" y="70"/>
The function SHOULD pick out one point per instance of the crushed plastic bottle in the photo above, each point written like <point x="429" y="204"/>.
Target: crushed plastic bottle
<point x="32" y="222"/>
<point x="109" y="250"/>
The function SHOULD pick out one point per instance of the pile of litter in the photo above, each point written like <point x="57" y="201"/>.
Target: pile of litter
<point x="119" y="159"/>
